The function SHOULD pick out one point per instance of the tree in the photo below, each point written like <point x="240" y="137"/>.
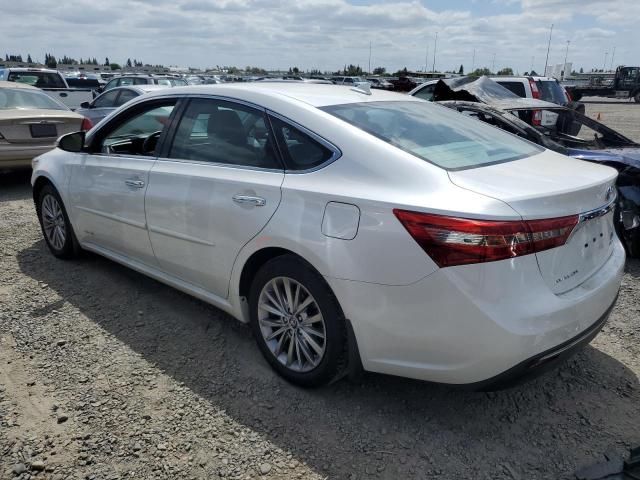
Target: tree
<point x="581" y="70"/>
<point x="50" y="61"/>
<point x="115" y="66"/>
<point x="506" y="71"/>
<point x="478" y="72"/>
<point x="129" y="63"/>
<point x="106" y="61"/>
<point x="29" y="60"/>
<point x="401" y="73"/>
<point x="379" y="71"/>
<point x="533" y="73"/>
<point x="461" y="70"/>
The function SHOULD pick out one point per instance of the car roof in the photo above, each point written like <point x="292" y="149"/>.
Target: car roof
<point x="143" y="88"/>
<point x="514" y="78"/>
<point x="28" y="69"/>
<point x="524" y="104"/>
<point x="315" y="94"/>
<point x="4" y="84"/>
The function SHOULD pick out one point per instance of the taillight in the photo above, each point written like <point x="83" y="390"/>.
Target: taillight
<point x="461" y="241"/>
<point x="535" y="93"/>
<point x="568" y="95"/>
<point x="87" y="124"/>
<point x="536" y="118"/>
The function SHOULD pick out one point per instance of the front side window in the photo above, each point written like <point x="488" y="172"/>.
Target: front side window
<point x="551" y="91"/>
<point x="112" y="84"/>
<point x="219" y="131"/>
<point x="138" y="134"/>
<point x="434" y="133"/>
<point x="106" y="100"/>
<point x="426" y="93"/>
<point x="125" y="96"/>
<point x="300" y="151"/>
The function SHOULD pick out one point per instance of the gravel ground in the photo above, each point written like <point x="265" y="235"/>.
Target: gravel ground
<point x="106" y="374"/>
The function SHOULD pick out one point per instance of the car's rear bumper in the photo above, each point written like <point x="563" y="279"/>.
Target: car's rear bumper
<point x="17" y="156"/>
<point x="470" y="324"/>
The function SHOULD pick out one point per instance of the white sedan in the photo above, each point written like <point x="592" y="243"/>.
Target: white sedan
<point x="351" y="228"/>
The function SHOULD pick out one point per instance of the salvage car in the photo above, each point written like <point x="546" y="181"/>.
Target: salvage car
<point x="570" y="132"/>
<point x="274" y="201"/>
<point x="30" y="122"/>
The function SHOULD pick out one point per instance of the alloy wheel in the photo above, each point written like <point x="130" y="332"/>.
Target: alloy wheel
<point x="291" y="324"/>
<point x="53" y="222"/>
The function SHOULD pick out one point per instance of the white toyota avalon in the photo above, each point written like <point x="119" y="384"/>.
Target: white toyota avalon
<point x="351" y="228"/>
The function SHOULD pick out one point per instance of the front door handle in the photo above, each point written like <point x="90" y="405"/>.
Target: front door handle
<point x="249" y="200"/>
<point x="134" y="183"/>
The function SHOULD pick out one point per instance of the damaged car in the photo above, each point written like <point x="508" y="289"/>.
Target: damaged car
<point x="563" y="129"/>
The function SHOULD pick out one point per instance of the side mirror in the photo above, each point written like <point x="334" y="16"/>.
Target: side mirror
<point x="71" y="142"/>
<point x="85" y="105"/>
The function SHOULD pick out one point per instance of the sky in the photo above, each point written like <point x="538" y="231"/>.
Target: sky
<point x="327" y="34"/>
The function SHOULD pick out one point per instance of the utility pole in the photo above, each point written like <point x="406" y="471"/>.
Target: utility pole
<point x="546" y="62"/>
<point x="369" y="57"/>
<point x="564" y="67"/>
<point x="426" y="59"/>
<point x="613" y="55"/>
<point x="435" y="47"/>
<point x="473" y="62"/>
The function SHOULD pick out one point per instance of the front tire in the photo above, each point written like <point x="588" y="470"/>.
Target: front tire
<point x="297" y="322"/>
<point x="55" y="224"/>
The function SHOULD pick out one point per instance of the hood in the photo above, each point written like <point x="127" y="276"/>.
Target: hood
<point x="626" y="156"/>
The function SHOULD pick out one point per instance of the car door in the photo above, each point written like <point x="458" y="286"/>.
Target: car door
<point x="108" y="184"/>
<point x="214" y="187"/>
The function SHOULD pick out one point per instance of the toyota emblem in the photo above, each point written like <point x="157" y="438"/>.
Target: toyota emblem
<point x="609" y="193"/>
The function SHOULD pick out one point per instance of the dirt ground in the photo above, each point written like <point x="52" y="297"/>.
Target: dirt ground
<point x="106" y="374"/>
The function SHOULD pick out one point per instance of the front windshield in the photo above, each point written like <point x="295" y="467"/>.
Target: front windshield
<point x="434" y="133"/>
<point x="22" y="99"/>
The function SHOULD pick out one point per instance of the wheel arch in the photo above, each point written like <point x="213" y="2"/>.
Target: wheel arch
<point x="39" y="184"/>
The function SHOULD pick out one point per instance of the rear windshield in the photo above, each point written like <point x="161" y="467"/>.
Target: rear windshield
<point x="38" y="79"/>
<point x="514" y="87"/>
<point x="22" y="98"/>
<point x="551" y="91"/>
<point x="434" y="133"/>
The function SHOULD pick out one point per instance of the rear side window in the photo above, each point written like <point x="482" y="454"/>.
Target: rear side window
<point x="426" y="93"/>
<point x="434" y="133"/>
<point x="38" y="79"/>
<point x="125" y="96"/>
<point x="552" y="91"/>
<point x="299" y="150"/>
<point x="515" y="87"/>
<point x="219" y="131"/>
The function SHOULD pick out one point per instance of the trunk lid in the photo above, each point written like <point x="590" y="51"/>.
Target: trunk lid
<point x="36" y="126"/>
<point x="550" y="185"/>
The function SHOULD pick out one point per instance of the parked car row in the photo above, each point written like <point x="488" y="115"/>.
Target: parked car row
<point x="274" y="200"/>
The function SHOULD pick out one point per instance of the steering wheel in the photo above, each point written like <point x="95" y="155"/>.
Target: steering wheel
<point x="150" y="143"/>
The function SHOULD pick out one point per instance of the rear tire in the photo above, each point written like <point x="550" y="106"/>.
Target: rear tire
<point x="54" y="222"/>
<point x="297" y="322"/>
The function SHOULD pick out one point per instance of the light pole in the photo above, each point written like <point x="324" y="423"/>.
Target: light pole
<point x="473" y="62"/>
<point x="493" y="65"/>
<point x="426" y="60"/>
<point x="564" y="67"/>
<point x="435" y="48"/>
<point x="606" y="54"/>
<point x="369" y="57"/>
<point x="613" y="55"/>
<point x="546" y="62"/>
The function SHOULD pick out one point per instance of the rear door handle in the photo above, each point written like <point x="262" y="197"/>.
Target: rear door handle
<point x="134" y="183"/>
<point x="249" y="200"/>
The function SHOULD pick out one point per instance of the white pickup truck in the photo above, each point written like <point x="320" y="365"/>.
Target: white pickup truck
<point x="51" y="82"/>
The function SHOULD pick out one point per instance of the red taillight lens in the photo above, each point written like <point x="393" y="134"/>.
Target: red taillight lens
<point x="87" y="124"/>
<point x="535" y="92"/>
<point x="461" y="241"/>
<point x="568" y="94"/>
<point x="536" y="118"/>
